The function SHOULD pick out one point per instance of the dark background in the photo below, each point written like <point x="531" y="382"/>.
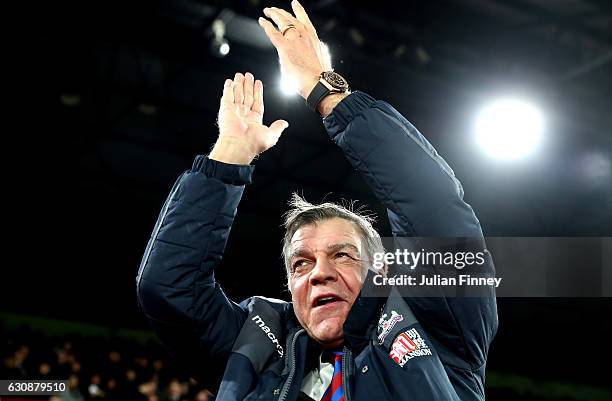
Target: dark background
<point x="124" y="94"/>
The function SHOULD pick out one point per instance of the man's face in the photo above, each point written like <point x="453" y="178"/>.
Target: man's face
<point x="326" y="275"/>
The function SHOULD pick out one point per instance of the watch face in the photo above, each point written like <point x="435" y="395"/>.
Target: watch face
<point x="336" y="80"/>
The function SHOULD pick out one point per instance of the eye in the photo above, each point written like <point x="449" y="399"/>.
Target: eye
<point x="347" y="259"/>
<point x="343" y="256"/>
<point x="299" y="264"/>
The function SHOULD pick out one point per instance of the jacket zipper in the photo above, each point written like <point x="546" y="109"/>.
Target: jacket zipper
<point x="287" y="385"/>
<point x="346" y="357"/>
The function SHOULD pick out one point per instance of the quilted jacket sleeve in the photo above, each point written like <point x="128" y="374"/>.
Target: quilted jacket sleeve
<point x="423" y="199"/>
<point x="176" y="286"/>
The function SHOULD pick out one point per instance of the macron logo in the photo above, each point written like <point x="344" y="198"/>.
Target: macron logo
<point x="259" y="321"/>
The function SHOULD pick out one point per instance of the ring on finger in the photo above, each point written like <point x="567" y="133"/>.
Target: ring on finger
<point x="286" y="28"/>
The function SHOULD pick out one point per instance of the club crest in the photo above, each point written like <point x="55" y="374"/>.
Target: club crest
<point x="386" y="325"/>
<point x="408" y="345"/>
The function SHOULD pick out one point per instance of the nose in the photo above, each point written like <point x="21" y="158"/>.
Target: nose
<point x="324" y="270"/>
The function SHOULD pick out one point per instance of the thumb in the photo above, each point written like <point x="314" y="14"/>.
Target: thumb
<point x="279" y="126"/>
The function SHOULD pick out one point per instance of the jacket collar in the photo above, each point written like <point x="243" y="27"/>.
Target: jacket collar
<point x="362" y="321"/>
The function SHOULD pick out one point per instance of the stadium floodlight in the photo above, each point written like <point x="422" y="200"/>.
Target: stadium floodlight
<point x="223" y="48"/>
<point x="509" y="129"/>
<point x="219" y="45"/>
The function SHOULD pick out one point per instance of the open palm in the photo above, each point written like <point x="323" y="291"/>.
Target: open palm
<point x="241" y="115"/>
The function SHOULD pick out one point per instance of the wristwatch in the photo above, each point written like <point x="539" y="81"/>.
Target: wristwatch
<point x="329" y="82"/>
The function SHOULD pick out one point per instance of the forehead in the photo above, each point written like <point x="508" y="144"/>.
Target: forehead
<point x="325" y="233"/>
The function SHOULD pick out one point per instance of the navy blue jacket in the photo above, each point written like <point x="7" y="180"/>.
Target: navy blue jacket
<point x="259" y="346"/>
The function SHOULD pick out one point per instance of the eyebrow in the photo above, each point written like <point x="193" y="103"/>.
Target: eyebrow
<point x="330" y="248"/>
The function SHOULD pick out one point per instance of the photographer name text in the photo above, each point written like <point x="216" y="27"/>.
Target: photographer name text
<point x="436" y="280"/>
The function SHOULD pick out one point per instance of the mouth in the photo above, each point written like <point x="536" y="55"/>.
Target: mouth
<point x="325" y="299"/>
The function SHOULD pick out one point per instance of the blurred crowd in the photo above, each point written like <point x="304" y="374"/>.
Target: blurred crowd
<point x="96" y="369"/>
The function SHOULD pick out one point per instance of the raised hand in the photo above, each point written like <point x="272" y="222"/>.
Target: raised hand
<point x="298" y="46"/>
<point x="242" y="134"/>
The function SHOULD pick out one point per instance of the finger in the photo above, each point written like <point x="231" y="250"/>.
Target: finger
<point x="258" y="104"/>
<point x="278" y="126"/>
<point x="228" y="92"/>
<point x="272" y="33"/>
<point x="290" y="18"/>
<point x="280" y="19"/>
<point x="301" y="15"/>
<point x="238" y="88"/>
<point x="283" y="19"/>
<point x="249" y="82"/>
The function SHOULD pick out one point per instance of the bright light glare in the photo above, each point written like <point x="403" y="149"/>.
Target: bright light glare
<point x="288" y="85"/>
<point x="509" y="129"/>
<point x="224" y="49"/>
<point x="327" y="64"/>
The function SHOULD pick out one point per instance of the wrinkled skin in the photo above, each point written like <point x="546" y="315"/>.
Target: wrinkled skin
<point x="325" y="260"/>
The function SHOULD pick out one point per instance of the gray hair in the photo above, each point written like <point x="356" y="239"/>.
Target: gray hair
<point x="302" y="213"/>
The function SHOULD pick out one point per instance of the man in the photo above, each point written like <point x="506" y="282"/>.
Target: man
<point x="332" y="342"/>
